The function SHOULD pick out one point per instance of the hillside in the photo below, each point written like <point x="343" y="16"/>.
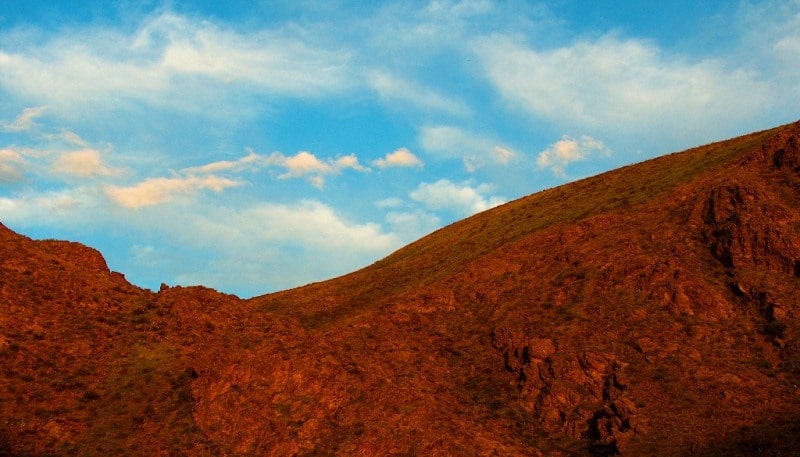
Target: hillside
<point x="651" y="310"/>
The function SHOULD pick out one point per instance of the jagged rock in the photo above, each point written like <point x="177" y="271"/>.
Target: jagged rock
<point x="558" y="387"/>
<point x="745" y="228"/>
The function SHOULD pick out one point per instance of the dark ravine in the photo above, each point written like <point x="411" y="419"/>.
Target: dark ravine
<point x="651" y="310"/>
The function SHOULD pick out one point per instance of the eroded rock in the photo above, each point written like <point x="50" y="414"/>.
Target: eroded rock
<point x="582" y="394"/>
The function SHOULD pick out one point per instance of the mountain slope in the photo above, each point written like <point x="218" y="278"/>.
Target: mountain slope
<point x="649" y="310"/>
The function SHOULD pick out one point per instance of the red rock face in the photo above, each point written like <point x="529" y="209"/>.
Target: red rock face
<point x="648" y="311"/>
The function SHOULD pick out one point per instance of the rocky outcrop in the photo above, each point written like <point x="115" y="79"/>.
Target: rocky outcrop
<point x="580" y="393"/>
<point x="83" y="256"/>
<point x="749" y="226"/>
<point x="782" y="152"/>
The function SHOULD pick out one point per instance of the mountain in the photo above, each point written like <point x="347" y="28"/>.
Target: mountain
<point x="651" y="310"/>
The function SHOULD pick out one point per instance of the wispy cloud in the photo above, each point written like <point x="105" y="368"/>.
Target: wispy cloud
<point x="25" y="120"/>
<point x="271" y="61"/>
<point x="392" y="88"/>
<point x="349" y="161"/>
<point x="502" y="155"/>
<point x="153" y="191"/>
<point x="169" y="61"/>
<point x="391" y="202"/>
<point x="82" y="163"/>
<point x="304" y="164"/>
<point x="772" y="28"/>
<point x="399" y="158"/>
<point x="250" y="161"/>
<point x="567" y="150"/>
<point x="68" y="137"/>
<point x="11" y="165"/>
<point x="474" y="150"/>
<point x="615" y="85"/>
<point x="313" y="224"/>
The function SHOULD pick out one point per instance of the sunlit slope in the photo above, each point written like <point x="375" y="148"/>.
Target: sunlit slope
<point x="440" y="253"/>
<point x="648" y="310"/>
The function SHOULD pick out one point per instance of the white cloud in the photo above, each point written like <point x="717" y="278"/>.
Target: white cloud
<point x="621" y="86"/>
<point x="61" y="208"/>
<point x="153" y="191"/>
<point x="314" y="224"/>
<point x="411" y="225"/>
<point x="399" y="158"/>
<point x="461" y="198"/>
<point x="390" y="87"/>
<point x="474" y="150"/>
<point x="83" y="163"/>
<point x="24" y="121"/>
<point x="567" y="150"/>
<point x="349" y="161"/>
<point x="268" y="246"/>
<point x="11" y="165"/>
<point x="306" y="164"/>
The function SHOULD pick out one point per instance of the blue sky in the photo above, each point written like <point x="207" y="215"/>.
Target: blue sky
<point x="256" y="146"/>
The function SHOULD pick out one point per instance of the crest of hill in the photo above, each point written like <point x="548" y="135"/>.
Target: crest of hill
<point x="438" y="254"/>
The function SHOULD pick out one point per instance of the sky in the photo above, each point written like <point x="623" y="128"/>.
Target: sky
<point x="255" y="146"/>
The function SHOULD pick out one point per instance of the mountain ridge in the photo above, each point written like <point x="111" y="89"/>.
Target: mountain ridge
<point x="650" y="310"/>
